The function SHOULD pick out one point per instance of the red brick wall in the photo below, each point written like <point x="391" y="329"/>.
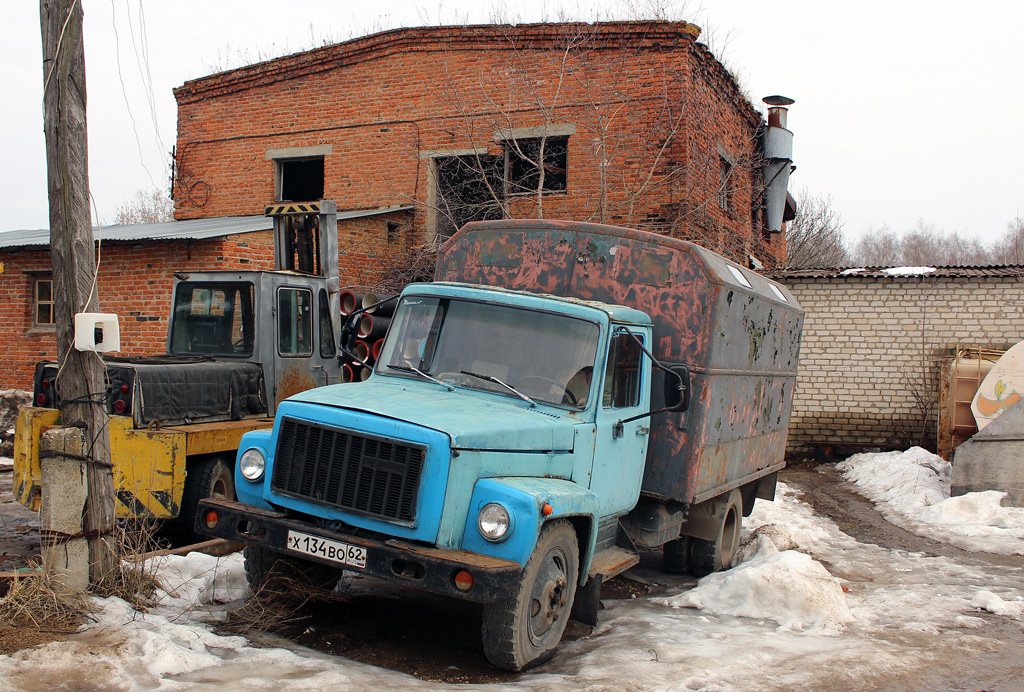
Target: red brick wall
<point x="134" y="282"/>
<point x="651" y="110"/>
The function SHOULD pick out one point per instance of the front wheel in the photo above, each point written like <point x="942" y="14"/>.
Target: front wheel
<point x="522" y="631"/>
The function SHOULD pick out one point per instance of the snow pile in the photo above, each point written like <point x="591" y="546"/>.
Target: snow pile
<point x="197" y="580"/>
<point x="787" y="587"/>
<point x="908" y="271"/>
<point x="986" y="600"/>
<point x="911" y="489"/>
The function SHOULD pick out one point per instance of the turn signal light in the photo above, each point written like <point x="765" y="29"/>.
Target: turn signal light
<point x="463" y="580"/>
<point x="211" y="519"/>
<point x="40" y="400"/>
<point x="120" y="407"/>
<point x="547" y="509"/>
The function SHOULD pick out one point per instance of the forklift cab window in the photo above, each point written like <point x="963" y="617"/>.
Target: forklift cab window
<point x="212" y="319"/>
<point x="295" y="322"/>
<point x="327" y="346"/>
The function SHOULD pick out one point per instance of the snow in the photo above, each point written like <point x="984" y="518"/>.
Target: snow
<point x="911" y="489"/>
<point x="908" y="271"/>
<point x="787" y="587"/>
<point x="852" y="272"/>
<point x="6" y="463"/>
<point x="807" y="607"/>
<point x="986" y="600"/>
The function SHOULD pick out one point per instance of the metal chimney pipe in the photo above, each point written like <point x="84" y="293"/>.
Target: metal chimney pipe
<point x="778" y="154"/>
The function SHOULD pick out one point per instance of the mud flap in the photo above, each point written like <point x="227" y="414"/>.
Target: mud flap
<point x="588" y="601"/>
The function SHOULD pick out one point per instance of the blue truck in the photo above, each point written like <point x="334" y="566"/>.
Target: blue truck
<point x="563" y="397"/>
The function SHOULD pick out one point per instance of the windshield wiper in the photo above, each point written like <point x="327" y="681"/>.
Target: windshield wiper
<point x="495" y="380"/>
<point x="410" y="368"/>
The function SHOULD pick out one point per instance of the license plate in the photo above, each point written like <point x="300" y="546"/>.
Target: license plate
<point x="346" y="554"/>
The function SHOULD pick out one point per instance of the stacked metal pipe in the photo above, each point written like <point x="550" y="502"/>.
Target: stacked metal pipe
<point x="372" y="324"/>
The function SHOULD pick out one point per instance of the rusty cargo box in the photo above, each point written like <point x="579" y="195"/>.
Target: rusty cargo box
<point x="738" y="332"/>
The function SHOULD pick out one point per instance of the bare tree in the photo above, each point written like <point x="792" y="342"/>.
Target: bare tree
<point x="815" y="237"/>
<point x="877" y="248"/>
<point x="148" y="206"/>
<point x="925" y="245"/>
<point x="1009" y="249"/>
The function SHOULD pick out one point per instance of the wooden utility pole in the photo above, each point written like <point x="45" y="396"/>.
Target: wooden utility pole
<point x="81" y="380"/>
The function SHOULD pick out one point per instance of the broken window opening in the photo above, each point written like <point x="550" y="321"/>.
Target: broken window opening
<point x="468" y="189"/>
<point x="724" y="184"/>
<point x="300" y="180"/>
<point x="526" y="158"/>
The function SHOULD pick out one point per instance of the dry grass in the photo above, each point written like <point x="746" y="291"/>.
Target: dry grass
<point x="132" y="580"/>
<point x="42" y="601"/>
<point x="278" y="604"/>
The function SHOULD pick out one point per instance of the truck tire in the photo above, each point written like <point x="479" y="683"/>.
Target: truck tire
<point x="522" y="631"/>
<point x="280" y="577"/>
<point x="675" y="555"/>
<point x="707" y="556"/>
<point x="209" y="477"/>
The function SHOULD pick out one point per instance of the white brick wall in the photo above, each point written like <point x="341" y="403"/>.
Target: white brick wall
<point x="869" y="358"/>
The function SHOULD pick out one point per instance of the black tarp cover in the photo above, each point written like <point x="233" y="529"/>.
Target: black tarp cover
<point x="174" y="391"/>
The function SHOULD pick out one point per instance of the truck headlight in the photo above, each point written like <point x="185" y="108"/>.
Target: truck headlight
<point x="252" y="464"/>
<point x="493" y="522"/>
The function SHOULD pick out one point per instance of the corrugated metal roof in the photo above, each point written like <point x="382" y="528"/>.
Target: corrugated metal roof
<point x="996" y="270"/>
<point x="192" y="229"/>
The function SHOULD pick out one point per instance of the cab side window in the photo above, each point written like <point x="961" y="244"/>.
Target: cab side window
<point x="622" y="377"/>
<point x="294" y="322"/>
<point x="327" y="347"/>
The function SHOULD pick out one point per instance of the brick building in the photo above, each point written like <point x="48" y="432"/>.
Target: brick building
<point x="627" y="123"/>
<point x="874" y="344"/>
<point x="414" y="132"/>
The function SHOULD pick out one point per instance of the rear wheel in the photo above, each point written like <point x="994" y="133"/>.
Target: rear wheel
<point x="522" y="631"/>
<point x="675" y="555"/>
<point x="707" y="556"/>
<point x="204" y="478"/>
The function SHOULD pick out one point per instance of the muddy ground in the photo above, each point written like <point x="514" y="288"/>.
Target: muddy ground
<point x="439" y="639"/>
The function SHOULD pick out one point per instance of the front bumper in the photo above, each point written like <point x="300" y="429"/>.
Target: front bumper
<point x="422" y="567"/>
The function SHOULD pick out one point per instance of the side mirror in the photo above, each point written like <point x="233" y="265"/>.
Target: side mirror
<point x="349" y="331"/>
<point x="677" y="388"/>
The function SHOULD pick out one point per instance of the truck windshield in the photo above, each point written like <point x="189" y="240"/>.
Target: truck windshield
<point x="212" y="319"/>
<point x="546" y="357"/>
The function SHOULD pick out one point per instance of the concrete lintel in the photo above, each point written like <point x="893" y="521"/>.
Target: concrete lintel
<point x="300" y="152"/>
<point x="441" y="153"/>
<point x="535" y="132"/>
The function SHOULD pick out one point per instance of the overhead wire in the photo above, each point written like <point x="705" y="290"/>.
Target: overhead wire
<point x="124" y="90"/>
<point x="140" y="45"/>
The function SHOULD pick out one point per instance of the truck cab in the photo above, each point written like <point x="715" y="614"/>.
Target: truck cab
<point x="218" y="315"/>
<point x="517" y="448"/>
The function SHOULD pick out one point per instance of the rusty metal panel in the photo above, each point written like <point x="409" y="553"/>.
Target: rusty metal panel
<point x="738" y="332"/>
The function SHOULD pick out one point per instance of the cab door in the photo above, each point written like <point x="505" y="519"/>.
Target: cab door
<point x="621" y="450"/>
<point x="305" y="355"/>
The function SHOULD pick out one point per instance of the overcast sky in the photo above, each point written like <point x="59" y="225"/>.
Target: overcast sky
<point x="905" y="110"/>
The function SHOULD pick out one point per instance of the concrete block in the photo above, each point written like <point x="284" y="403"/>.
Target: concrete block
<point x="64" y="494"/>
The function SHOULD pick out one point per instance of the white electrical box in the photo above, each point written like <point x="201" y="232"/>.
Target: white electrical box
<point x="97" y="331"/>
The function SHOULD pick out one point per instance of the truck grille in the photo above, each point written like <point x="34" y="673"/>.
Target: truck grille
<point x="355" y="472"/>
